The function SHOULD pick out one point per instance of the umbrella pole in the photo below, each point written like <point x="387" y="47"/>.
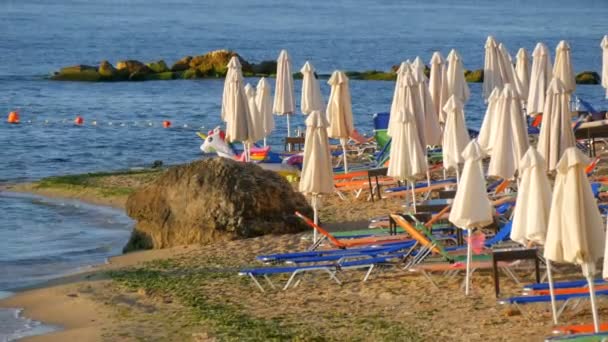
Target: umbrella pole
<point x="444" y="174"/>
<point x="313" y="201"/>
<point x="413" y="195"/>
<point x="596" y="323"/>
<point x="551" y="292"/>
<point x="343" y="143"/>
<point x="288" y="126"/>
<point x="457" y="175"/>
<point x="264" y="141"/>
<point x="469" y="258"/>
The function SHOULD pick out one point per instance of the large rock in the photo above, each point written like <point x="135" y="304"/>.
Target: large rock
<point x="215" y="63"/>
<point x="85" y="73"/>
<point x="265" y="68"/>
<point x="158" y="66"/>
<point x="474" y="76"/>
<point x="588" y="77"/>
<point x="182" y="65"/>
<point x="210" y="200"/>
<point x="133" y="66"/>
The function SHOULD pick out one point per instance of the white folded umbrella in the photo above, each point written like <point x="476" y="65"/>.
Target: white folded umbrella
<point x="556" y="133"/>
<point x="485" y="139"/>
<point x="457" y="85"/>
<point x="238" y="118"/>
<point x="576" y="228"/>
<point x="317" y="174"/>
<point x="604" y="46"/>
<point x="311" y="90"/>
<point x="455" y="135"/>
<point x="284" y="101"/>
<point x="263" y="100"/>
<point x="492" y="77"/>
<point x="540" y="77"/>
<point x="438" y="84"/>
<point x="427" y="122"/>
<point x="234" y="67"/>
<point x="339" y="111"/>
<point x="562" y="68"/>
<point x="255" y="118"/>
<point x="507" y="70"/>
<point x="471" y="207"/>
<point x="397" y="101"/>
<point x="522" y="72"/>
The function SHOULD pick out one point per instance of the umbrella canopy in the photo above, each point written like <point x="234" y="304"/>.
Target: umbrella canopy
<point x="408" y="158"/>
<point x="234" y="67"/>
<point x="555" y="132"/>
<point x="238" y="117"/>
<point x="507" y="69"/>
<point x="522" y="72"/>
<point x="455" y="134"/>
<point x="457" y="85"/>
<point x="531" y="216"/>
<point x="397" y="101"/>
<point x="263" y="100"/>
<point x="576" y="228"/>
<point x="339" y="110"/>
<point x="562" y="68"/>
<point x="311" y="90"/>
<point x="438" y="84"/>
<point x="284" y="101"/>
<point x="540" y="77"/>
<point x="491" y="68"/>
<point x="485" y="139"/>
<point x="510" y="135"/>
<point x="604" y="46"/>
<point x="255" y="118"/>
<point x="427" y="122"/>
<point x="317" y="174"/>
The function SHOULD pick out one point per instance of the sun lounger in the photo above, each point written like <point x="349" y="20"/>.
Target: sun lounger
<point x="562" y="284"/>
<point x="579" y="329"/>
<point x="599" y="337"/>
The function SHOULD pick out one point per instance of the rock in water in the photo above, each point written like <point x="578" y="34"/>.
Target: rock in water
<point x="107" y="70"/>
<point x="474" y="76"/>
<point x="182" y="64"/>
<point x="588" y="77"/>
<point x="210" y="200"/>
<point x="84" y="73"/>
<point x="158" y="66"/>
<point x="133" y="66"/>
<point x="215" y="63"/>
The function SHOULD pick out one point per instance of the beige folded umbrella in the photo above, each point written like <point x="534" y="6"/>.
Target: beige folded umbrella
<point x="317" y="175"/>
<point x="562" y="68"/>
<point x="510" y="135"/>
<point x="576" y="229"/>
<point x="455" y="135"/>
<point x="522" y="71"/>
<point x="485" y="139"/>
<point x="555" y="132"/>
<point x="457" y="85"/>
<point x="263" y="100"/>
<point x="284" y="101"/>
<point x="311" y="90"/>
<point x="533" y="204"/>
<point x="429" y="130"/>
<point x="238" y="118"/>
<point x="471" y="207"/>
<point x="491" y="68"/>
<point x="540" y="77"/>
<point x="255" y="118"/>
<point x="604" y="46"/>
<point x="438" y="84"/>
<point x="397" y="101"/>
<point x="418" y="68"/>
<point x="234" y="67"/>
<point x="507" y="69"/>
<point x="339" y="111"/>
<point x="407" y="156"/>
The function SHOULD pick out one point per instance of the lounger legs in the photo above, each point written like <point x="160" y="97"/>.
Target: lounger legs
<point x="256" y="282"/>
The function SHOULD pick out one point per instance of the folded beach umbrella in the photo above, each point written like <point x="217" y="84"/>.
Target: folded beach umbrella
<point x="234" y="68"/>
<point x="238" y="118"/>
<point x="457" y="85"/>
<point x="533" y="204"/>
<point x="339" y="111"/>
<point x="311" y="90"/>
<point x="471" y="207"/>
<point x="604" y="46"/>
<point x="507" y="70"/>
<point x="438" y="84"/>
<point x="492" y="77"/>
<point x="317" y="175"/>
<point x="263" y="100"/>
<point x="522" y="72"/>
<point x="556" y="134"/>
<point x="407" y="156"/>
<point x="397" y="102"/>
<point x="576" y="229"/>
<point x="540" y="77"/>
<point x="485" y="139"/>
<point x="455" y="135"/>
<point x="284" y="102"/>
<point x="562" y="68"/>
<point x="510" y="136"/>
<point x="255" y="118"/>
<point x="429" y="130"/>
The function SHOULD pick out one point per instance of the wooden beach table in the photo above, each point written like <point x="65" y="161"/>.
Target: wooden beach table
<point x="512" y="254"/>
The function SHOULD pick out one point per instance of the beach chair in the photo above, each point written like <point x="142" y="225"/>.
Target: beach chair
<point x="579" y="329"/>
<point x="345" y="263"/>
<point x="597" y="337"/>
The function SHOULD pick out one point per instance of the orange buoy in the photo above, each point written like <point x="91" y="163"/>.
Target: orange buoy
<point x="79" y="120"/>
<point x="13" y="118"/>
<point x="166" y="124"/>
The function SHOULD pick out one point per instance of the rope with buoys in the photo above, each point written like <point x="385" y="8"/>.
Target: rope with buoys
<point x="13" y="118"/>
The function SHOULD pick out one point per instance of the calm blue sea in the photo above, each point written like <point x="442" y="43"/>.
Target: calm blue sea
<point x="38" y="238"/>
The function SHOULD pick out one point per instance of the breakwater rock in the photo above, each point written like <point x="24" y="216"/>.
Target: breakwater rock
<point x="213" y="200"/>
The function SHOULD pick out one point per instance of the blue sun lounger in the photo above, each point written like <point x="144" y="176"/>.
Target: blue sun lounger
<point x="562" y="284"/>
<point x="370" y="253"/>
<point x="330" y="268"/>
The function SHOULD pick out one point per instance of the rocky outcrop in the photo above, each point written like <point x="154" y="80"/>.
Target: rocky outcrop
<point x="84" y="73"/>
<point x="588" y="77"/>
<point x="182" y="65"/>
<point x="158" y="67"/>
<point x="474" y="76"/>
<point x="211" y="200"/>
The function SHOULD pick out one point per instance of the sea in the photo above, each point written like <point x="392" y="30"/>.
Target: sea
<point x="43" y="238"/>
